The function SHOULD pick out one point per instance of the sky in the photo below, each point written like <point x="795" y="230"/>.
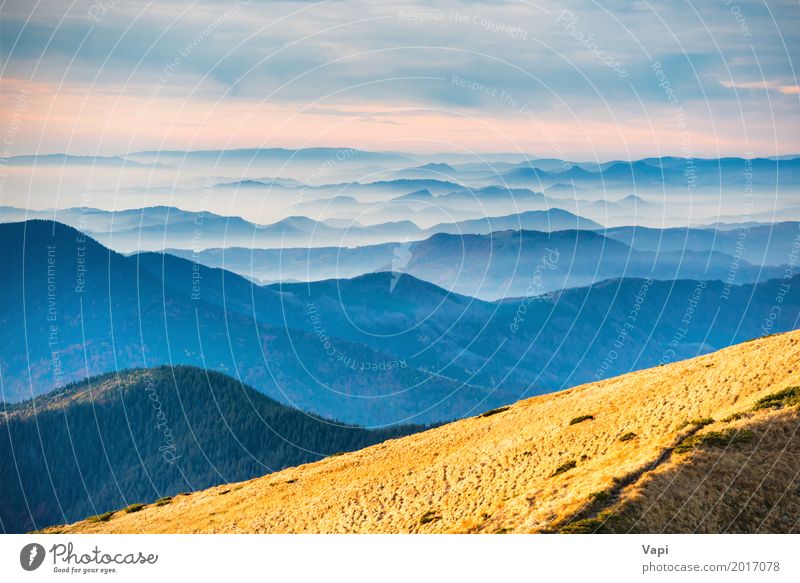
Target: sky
<point x="570" y="80"/>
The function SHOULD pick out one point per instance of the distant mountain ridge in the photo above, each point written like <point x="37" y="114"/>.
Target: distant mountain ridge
<point x="157" y="228"/>
<point x="501" y="262"/>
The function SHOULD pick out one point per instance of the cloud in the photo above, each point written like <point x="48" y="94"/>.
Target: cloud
<point x="574" y="63"/>
<point x="762" y="86"/>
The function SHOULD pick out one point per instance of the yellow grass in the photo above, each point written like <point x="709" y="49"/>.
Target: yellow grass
<point x="500" y="473"/>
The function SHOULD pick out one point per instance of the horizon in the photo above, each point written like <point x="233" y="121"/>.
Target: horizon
<point x="525" y="157"/>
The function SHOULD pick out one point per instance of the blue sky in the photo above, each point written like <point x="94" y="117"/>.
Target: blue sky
<point x="571" y="79"/>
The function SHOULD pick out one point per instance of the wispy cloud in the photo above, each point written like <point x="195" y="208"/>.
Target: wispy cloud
<point x="124" y="75"/>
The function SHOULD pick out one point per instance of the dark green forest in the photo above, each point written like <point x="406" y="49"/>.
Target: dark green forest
<point x="136" y="436"/>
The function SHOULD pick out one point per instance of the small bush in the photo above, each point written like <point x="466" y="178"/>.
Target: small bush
<point x="292" y="481"/>
<point x="599" y="497"/>
<point x="628" y="436"/>
<point x="581" y="419"/>
<point x="223" y="492"/>
<point x="724" y="438"/>
<point x="133" y="508"/>
<point x="779" y="400"/>
<point x="697" y="422"/>
<point x="494" y="411"/>
<point x="105" y="517"/>
<point x="565" y="467"/>
<point x="429" y="516"/>
<point x="734" y="417"/>
<point x="163" y="501"/>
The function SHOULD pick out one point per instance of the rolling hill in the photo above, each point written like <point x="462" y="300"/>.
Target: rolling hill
<point x="706" y="445"/>
<point x="140" y="435"/>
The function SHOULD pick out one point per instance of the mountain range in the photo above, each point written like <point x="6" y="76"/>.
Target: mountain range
<point x="508" y="263"/>
<point x="157" y="228"/>
<point x="378" y="349"/>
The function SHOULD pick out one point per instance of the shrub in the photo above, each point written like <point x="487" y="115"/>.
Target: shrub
<point x="724" y="438"/>
<point x="785" y="398"/>
<point x="491" y="412"/>
<point x="581" y="419"/>
<point x="734" y="417"/>
<point x="429" y="516"/>
<point x="565" y="467"/>
<point x="627" y="436"/>
<point x="133" y="508"/>
<point x="599" y="497"/>
<point x="105" y="517"/>
<point x="163" y="501"/>
<point x="697" y="422"/>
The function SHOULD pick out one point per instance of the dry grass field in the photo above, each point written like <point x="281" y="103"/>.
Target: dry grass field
<point x="705" y="445"/>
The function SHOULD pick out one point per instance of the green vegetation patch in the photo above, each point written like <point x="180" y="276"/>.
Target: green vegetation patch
<point x="786" y="398"/>
<point x="735" y="417"/>
<point x="724" y="438"/>
<point x="697" y="422"/>
<point x="163" y="501"/>
<point x="491" y="412"/>
<point x="565" y="467"/>
<point x="133" y="508"/>
<point x="104" y="517"/>
<point x="429" y="516"/>
<point x="581" y="419"/>
<point x="628" y="436"/>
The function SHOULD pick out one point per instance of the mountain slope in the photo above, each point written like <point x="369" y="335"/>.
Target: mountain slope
<point x="146" y="433"/>
<point x="709" y="444"/>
